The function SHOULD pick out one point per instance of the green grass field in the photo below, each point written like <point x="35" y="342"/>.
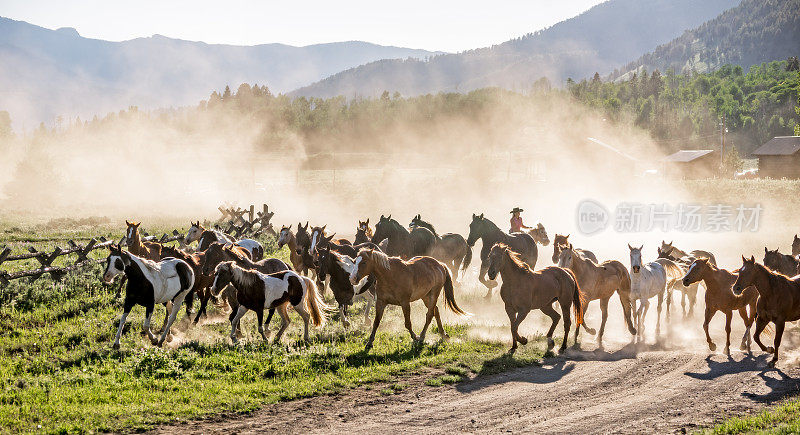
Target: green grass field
<point x="780" y="419"/>
<point x="59" y="373"/>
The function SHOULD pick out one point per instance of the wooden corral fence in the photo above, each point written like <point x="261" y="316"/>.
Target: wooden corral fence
<point x="245" y="222"/>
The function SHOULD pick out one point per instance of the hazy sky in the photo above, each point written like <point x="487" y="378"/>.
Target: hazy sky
<point x="432" y="24"/>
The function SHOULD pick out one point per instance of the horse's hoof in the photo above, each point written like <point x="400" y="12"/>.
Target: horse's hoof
<point x="770" y="349"/>
<point x="712" y="346"/>
<point x="743" y="347"/>
<point x="591" y="331"/>
<point x="771" y="364"/>
<point x="368" y="347"/>
<point x="562" y="349"/>
<point x="522" y="340"/>
<point x="550" y="343"/>
<point x="728" y="351"/>
<point x="512" y="350"/>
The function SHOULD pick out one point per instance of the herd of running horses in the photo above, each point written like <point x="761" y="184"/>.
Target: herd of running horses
<point x="395" y="265"/>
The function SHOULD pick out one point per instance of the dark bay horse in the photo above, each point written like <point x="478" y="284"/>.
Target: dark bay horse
<point x="778" y="301"/>
<point x="489" y="233"/>
<point x="402" y="243"/>
<point x="524" y="290"/>
<point x="719" y="297"/>
<point x="450" y="248"/>
<point x="783" y="263"/>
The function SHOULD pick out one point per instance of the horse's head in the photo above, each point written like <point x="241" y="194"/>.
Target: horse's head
<point x="561" y="240"/>
<point x="317" y="233"/>
<point x="132" y="233"/>
<point x="773" y="259"/>
<point x="476" y="229"/>
<point x="539" y="235"/>
<point x="213" y="256"/>
<point x="415" y="222"/>
<point x="223" y="274"/>
<point x="116" y="262"/>
<point x="195" y="230"/>
<point x="323" y="262"/>
<point x="796" y="245"/>
<point x="284" y="236"/>
<point x="362" y="266"/>
<point x="566" y="256"/>
<point x="666" y="248"/>
<point x="382" y="229"/>
<point x="746" y="275"/>
<point x="696" y="271"/>
<point x="636" y="258"/>
<point x="302" y="237"/>
<point x="495" y="259"/>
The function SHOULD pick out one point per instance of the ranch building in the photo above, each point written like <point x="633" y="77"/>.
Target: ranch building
<point x="692" y="164"/>
<point x="779" y="158"/>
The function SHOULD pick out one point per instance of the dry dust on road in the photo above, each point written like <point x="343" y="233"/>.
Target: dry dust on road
<point x="632" y="389"/>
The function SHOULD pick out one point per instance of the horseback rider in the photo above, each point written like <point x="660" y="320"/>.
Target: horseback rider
<point x="516" y="221"/>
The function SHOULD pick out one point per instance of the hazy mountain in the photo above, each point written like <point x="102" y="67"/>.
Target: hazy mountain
<point x="754" y="32"/>
<point x="44" y="73"/>
<point x="598" y="40"/>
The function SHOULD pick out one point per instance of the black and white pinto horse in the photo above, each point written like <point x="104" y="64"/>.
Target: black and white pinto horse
<point x="402" y="243"/>
<point x="489" y="233"/>
<point x="149" y="283"/>
<point x="257" y="291"/>
<point x="206" y="237"/>
<point x="339" y="267"/>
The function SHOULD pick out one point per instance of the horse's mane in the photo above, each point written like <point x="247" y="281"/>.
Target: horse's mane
<point x="379" y="257"/>
<point x="515" y="258"/>
<point x="243" y="276"/>
<point x="235" y="252"/>
<point x="427" y="225"/>
<point x="490" y="223"/>
<point x="773" y="273"/>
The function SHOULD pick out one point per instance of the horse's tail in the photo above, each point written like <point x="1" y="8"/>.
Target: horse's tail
<point x="467" y="258"/>
<point x="674" y="272"/>
<point x="449" y="294"/>
<point x="578" y="299"/>
<point x="315" y="305"/>
<point x="624" y="292"/>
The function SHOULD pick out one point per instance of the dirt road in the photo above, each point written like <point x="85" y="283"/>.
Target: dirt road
<point x="632" y="389"/>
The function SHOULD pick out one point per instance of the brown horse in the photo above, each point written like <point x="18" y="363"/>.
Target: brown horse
<point x="783" y="263"/>
<point x="286" y="237"/>
<point x="148" y="250"/>
<point x="524" y="290"/>
<point x="402" y="282"/>
<point x="600" y="281"/>
<point x="719" y="297"/>
<point x="449" y="248"/>
<point x="560" y="242"/>
<point x="778" y="301"/>
<point x="539" y="234"/>
<point x="363" y="232"/>
<point x="687" y="292"/>
<point x="796" y="246"/>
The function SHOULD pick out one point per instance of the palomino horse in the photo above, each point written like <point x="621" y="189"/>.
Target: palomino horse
<point x="402" y="243"/>
<point x="778" y="301"/>
<point x="783" y="263"/>
<point x="148" y="250"/>
<point x="560" y="242"/>
<point x="539" y="234"/>
<point x="489" y="233"/>
<point x="450" y="248"/>
<point x="149" y="283"/>
<point x="401" y="282"/>
<point x="648" y="280"/>
<point x="524" y="290"/>
<point x="687" y="292"/>
<point x="600" y="281"/>
<point x="719" y="297"/>
<point x="338" y="267"/>
<point x="363" y="232"/>
<point x="670" y="249"/>
<point x="286" y="237"/>
<point x="256" y="291"/>
<point x="205" y="237"/>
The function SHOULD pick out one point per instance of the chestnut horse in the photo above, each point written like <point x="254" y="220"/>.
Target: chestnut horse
<point x="286" y="237"/>
<point x="719" y="297"/>
<point x="600" y="281"/>
<point x="778" y="301"/>
<point x="147" y="250"/>
<point x="401" y="282"/>
<point x="524" y="290"/>
<point x="560" y="242"/>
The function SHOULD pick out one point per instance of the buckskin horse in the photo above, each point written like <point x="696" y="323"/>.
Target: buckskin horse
<point x="778" y="300"/>
<point x="489" y="234"/>
<point x="720" y="297"/>
<point x="401" y="243"/>
<point x="401" y="282"/>
<point x="450" y="248"/>
<point x="600" y="281"/>
<point x="524" y="290"/>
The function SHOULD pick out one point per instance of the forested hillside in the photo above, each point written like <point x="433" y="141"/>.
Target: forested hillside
<point x="754" y="32"/>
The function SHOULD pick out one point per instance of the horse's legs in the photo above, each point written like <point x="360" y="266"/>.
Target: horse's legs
<point x="189" y="303"/>
<point x="604" y="314"/>
<point x="565" y="307"/>
<point x="512" y="318"/>
<point x="684" y="296"/>
<point x="747" y="323"/>
<point x="692" y="294"/>
<point x="482" y="278"/>
<point x="301" y="310"/>
<point x="146" y="325"/>
<point x="456" y="266"/>
<point x="235" y="322"/>
<point x="270" y="313"/>
<point x="761" y="323"/>
<point x="380" y="305"/>
<point x="343" y="316"/>
<point x="125" y="311"/>
<point x="591" y="331"/>
<point x="439" y="322"/>
<point x="728" y="318"/>
<point x="283" y="310"/>
<point x="709" y="315"/>
<point x="670" y="289"/>
<point x="550" y="312"/>
<point x="521" y="315"/>
<point x="176" y="306"/>
<point x="430" y="302"/>
<point x="407" y="317"/>
<point x="370" y="302"/>
<point x="779" y="326"/>
<point x="260" y="317"/>
<point x="167" y="309"/>
<point x="203" y="302"/>
<point x="658" y="313"/>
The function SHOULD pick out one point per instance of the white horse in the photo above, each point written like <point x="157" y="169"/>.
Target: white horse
<point x="149" y="283"/>
<point x="648" y="280"/>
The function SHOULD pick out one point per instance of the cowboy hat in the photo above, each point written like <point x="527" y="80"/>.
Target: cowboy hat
<point x="516" y="210"/>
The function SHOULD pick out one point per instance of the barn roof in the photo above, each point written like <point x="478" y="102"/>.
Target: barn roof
<point x="779" y="146"/>
<point x="684" y="156"/>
